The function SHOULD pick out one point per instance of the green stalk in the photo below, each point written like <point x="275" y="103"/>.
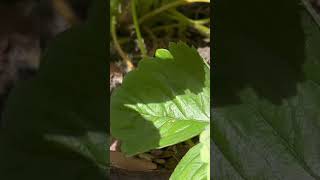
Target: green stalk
<point x="117" y="46"/>
<point x="201" y="21"/>
<point x="164" y="27"/>
<point x="193" y="23"/>
<point x="190" y="143"/>
<point x="152" y="36"/>
<point x="137" y="28"/>
<point x="168" y="6"/>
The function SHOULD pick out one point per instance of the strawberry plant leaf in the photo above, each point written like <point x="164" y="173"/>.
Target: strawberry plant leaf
<point x="269" y="129"/>
<point x="163" y="102"/>
<point x="205" y="149"/>
<point x="55" y="124"/>
<point x="196" y="163"/>
<point x="191" y="166"/>
<point x="163" y="54"/>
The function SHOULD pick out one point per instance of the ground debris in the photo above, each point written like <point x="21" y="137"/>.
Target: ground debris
<point x="120" y="160"/>
<point x="205" y="53"/>
<point x="116" y="76"/>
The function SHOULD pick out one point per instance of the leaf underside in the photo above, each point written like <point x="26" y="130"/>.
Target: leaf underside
<point x="270" y="129"/>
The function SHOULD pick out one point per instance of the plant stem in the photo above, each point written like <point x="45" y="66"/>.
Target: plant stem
<point x="168" y="6"/>
<point x="137" y="28"/>
<point x="204" y="30"/>
<point x="122" y="54"/>
<point x="153" y="38"/>
<point x="201" y="21"/>
<point x="190" y="143"/>
<point x="164" y="27"/>
<point x="193" y="23"/>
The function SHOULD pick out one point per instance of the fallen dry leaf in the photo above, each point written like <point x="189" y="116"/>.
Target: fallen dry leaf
<point x="119" y="160"/>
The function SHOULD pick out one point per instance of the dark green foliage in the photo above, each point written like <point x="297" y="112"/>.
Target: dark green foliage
<point x="55" y="125"/>
<point x="266" y="92"/>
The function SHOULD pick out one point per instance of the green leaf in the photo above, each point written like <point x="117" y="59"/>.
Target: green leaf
<point x="267" y="95"/>
<point x="163" y="54"/>
<point x="196" y="163"/>
<point x="205" y="149"/>
<point x="191" y="166"/>
<point x="55" y="125"/>
<point x="92" y="145"/>
<point x="163" y="102"/>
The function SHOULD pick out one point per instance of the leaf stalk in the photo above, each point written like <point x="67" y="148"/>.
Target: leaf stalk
<point x="137" y="29"/>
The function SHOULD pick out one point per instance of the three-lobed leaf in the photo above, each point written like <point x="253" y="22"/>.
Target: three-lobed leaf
<point x="163" y="102"/>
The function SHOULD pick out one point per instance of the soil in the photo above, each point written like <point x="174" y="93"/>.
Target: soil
<point x="316" y="5"/>
<point x="120" y="174"/>
<point x="27" y="27"/>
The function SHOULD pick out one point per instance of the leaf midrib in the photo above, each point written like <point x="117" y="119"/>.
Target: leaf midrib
<point x="290" y="149"/>
<point x="286" y="144"/>
<point x="176" y="119"/>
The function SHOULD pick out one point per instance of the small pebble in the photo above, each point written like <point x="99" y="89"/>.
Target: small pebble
<point x="156" y="152"/>
<point x="160" y="161"/>
<point x="146" y="156"/>
<point x="166" y="154"/>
